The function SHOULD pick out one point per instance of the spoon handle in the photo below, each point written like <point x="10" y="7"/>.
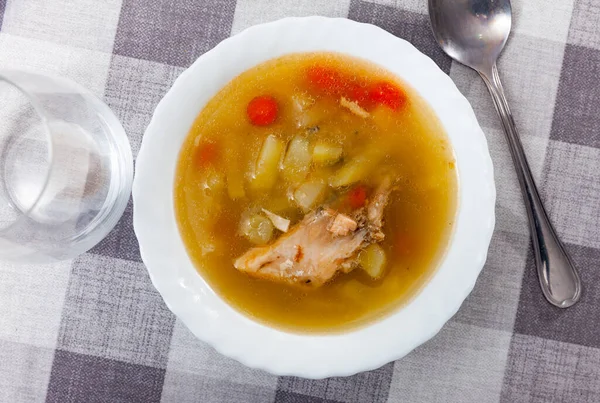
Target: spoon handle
<point x="558" y="277"/>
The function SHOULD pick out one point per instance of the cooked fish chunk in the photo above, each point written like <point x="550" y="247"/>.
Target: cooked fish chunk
<point x="342" y="225"/>
<point x="376" y="208"/>
<point x="353" y="107"/>
<point x="322" y="244"/>
<point x="308" y="253"/>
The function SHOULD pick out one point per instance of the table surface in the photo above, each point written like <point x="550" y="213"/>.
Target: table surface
<point x="95" y="330"/>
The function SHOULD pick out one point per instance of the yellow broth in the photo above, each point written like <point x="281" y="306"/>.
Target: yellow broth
<point x="418" y="218"/>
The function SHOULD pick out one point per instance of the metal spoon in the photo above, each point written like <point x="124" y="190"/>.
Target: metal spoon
<point x="473" y="32"/>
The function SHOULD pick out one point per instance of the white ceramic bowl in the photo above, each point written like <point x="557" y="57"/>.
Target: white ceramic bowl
<point x="254" y="344"/>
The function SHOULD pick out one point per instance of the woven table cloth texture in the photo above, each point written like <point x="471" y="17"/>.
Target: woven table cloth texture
<point x="95" y="330"/>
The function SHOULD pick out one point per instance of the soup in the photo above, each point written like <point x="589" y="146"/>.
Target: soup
<point x="316" y="192"/>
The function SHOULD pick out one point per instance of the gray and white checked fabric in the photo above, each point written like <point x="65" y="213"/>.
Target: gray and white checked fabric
<point x="95" y="330"/>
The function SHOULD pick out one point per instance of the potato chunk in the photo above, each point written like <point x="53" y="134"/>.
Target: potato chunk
<point x="326" y="154"/>
<point x="297" y="160"/>
<point x="373" y="260"/>
<point x="267" y="165"/>
<point x="309" y="194"/>
<point x="357" y="168"/>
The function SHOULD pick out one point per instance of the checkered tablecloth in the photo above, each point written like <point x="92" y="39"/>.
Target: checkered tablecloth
<point x="95" y="330"/>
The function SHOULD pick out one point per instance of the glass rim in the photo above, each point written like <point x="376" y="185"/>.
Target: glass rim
<point x="49" y="146"/>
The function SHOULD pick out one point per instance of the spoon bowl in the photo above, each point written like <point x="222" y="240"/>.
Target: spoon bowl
<point x="472" y="32"/>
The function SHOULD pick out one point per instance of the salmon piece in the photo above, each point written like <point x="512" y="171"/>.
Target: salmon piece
<point x="319" y="246"/>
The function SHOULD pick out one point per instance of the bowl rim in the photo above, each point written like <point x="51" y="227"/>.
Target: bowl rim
<point x="205" y="313"/>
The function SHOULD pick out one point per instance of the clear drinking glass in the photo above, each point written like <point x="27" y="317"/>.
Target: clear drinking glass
<point x="65" y="168"/>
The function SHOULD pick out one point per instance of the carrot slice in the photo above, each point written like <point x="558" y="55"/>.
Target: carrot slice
<point x="207" y="154"/>
<point x="360" y="94"/>
<point x="388" y="94"/>
<point x="334" y="83"/>
<point x="326" y="79"/>
<point x="262" y="110"/>
<point x="357" y="197"/>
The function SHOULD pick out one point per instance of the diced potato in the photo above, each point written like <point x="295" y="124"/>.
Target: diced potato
<point x="356" y="168"/>
<point x="309" y="194"/>
<point x="214" y="183"/>
<point x="353" y="107"/>
<point x="267" y="165"/>
<point x="302" y="102"/>
<point x="373" y="260"/>
<point x="297" y="160"/>
<point x="257" y="228"/>
<point x="326" y="154"/>
<point x="282" y="224"/>
<point x="351" y="172"/>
